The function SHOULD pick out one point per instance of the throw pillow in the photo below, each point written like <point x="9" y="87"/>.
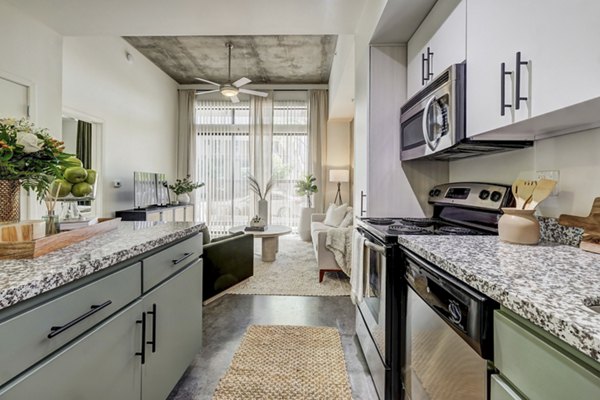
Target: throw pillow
<point x="348" y="218"/>
<point x="335" y="215"/>
<point x="205" y="235"/>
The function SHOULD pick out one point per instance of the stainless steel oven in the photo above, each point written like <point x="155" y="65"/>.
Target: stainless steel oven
<point x="378" y="314"/>
<point x="448" y="339"/>
<point x="433" y="120"/>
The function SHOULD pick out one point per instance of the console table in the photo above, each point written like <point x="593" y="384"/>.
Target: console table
<point x="172" y="213"/>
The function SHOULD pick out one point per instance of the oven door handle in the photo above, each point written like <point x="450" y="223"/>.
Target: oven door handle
<point x="375" y="247"/>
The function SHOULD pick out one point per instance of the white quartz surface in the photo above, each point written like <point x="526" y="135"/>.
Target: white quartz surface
<point x="547" y="284"/>
<point x="24" y="279"/>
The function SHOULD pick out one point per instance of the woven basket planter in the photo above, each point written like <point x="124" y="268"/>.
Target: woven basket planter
<point x="10" y="200"/>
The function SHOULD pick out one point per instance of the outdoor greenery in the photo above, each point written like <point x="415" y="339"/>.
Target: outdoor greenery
<point x="30" y="155"/>
<point x="307" y="187"/>
<point x="184" y="185"/>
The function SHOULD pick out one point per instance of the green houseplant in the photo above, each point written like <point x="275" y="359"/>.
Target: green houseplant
<point x="306" y="187"/>
<point x="182" y="188"/>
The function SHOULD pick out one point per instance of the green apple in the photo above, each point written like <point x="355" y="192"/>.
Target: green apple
<point x="81" y="189"/>
<point x="91" y="177"/>
<point x="75" y="174"/>
<point x="72" y="162"/>
<point x="60" y="188"/>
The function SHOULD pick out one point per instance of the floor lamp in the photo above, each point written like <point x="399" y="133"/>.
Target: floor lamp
<point x="339" y="176"/>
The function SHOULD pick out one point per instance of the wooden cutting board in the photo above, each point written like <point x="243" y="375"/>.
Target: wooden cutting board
<point x="590" y="224"/>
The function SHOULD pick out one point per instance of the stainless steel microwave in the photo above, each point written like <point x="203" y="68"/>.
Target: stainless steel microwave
<point x="433" y="120"/>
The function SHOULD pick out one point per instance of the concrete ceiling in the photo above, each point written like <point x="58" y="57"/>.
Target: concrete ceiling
<point x="195" y="17"/>
<point x="290" y="59"/>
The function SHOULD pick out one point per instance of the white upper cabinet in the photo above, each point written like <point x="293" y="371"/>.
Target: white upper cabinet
<point x="557" y="42"/>
<point x="439" y="42"/>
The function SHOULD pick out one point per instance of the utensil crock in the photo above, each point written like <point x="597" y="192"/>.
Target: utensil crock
<point x="518" y="226"/>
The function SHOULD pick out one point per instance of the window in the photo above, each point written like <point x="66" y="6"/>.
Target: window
<point x="223" y="155"/>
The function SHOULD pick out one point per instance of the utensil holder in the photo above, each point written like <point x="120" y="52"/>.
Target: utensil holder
<point x="519" y="226"/>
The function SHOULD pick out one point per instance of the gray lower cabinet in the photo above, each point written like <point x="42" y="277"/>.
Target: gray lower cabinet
<point x="100" y="365"/>
<point x="174" y="330"/>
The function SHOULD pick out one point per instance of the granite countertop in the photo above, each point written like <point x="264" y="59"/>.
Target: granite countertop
<point x="546" y="284"/>
<point x="24" y="279"/>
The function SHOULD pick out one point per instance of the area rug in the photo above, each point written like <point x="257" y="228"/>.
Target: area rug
<point x="287" y="363"/>
<point x="293" y="273"/>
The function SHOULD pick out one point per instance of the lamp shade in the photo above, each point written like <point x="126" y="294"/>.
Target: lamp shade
<point x="339" y="175"/>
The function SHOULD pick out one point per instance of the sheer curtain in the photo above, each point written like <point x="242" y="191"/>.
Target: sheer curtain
<point x="263" y="137"/>
<point x="318" y="109"/>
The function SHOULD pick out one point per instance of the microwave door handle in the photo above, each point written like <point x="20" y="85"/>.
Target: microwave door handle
<point x="432" y="144"/>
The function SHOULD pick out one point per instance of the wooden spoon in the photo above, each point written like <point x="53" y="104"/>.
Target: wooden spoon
<point x="515" y="190"/>
<point x="524" y="193"/>
<point x="542" y="190"/>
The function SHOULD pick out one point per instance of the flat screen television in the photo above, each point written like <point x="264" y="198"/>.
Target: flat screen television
<point x="150" y="189"/>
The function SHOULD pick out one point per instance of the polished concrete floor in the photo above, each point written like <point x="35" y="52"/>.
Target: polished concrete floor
<point x="226" y="320"/>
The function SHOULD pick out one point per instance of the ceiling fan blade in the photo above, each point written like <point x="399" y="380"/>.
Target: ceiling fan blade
<point x="208" y="91"/>
<point x="234" y="99"/>
<point x="254" y="92"/>
<point x="207" y="81"/>
<point x="241" y="82"/>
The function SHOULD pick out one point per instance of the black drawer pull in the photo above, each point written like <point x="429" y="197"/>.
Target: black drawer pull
<point x="503" y="73"/>
<point x="56" y="330"/>
<point x="142" y="353"/>
<point x="423" y="79"/>
<point x="153" y="341"/>
<point x="518" y="97"/>
<point x="185" y="255"/>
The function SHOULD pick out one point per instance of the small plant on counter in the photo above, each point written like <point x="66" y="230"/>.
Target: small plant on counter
<point x="184" y="185"/>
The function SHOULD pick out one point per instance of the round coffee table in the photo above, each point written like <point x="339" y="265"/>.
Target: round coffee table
<point x="270" y="239"/>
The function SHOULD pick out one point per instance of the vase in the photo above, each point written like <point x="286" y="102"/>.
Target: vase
<point x="263" y="210"/>
<point x="304" y="227"/>
<point x="10" y="200"/>
<point x="519" y="226"/>
<point x="52" y="223"/>
<point x="183" y="198"/>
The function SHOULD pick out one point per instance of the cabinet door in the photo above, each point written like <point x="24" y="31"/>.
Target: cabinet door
<point x="155" y="216"/>
<point x="448" y="44"/>
<point x="179" y="214"/>
<point x="175" y="327"/>
<point x="100" y="365"/>
<point x="189" y="214"/>
<point x="501" y="390"/>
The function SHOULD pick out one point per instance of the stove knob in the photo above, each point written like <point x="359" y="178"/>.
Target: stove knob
<point x="431" y="193"/>
<point x="484" y="194"/>
<point x="437" y="192"/>
<point x="496" y="196"/>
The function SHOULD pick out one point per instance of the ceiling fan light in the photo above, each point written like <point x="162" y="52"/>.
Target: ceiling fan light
<point x="229" y="91"/>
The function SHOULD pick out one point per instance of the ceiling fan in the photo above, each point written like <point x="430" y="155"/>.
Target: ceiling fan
<point x="230" y="89"/>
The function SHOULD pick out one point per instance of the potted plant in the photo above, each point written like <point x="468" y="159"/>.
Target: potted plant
<point x="31" y="158"/>
<point x="263" y="204"/>
<point x="306" y="187"/>
<point x="183" y="187"/>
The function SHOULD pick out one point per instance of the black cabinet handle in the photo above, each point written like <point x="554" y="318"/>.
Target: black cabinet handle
<point x="423" y="79"/>
<point x="518" y="97"/>
<point x="142" y="353"/>
<point x="429" y="63"/>
<point x="153" y="341"/>
<point x="185" y="255"/>
<point x="363" y="195"/>
<point x="503" y="73"/>
<point x="56" y="330"/>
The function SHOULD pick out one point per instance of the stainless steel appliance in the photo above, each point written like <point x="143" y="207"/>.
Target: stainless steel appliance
<point x="433" y="122"/>
<point x="465" y="208"/>
<point x="448" y="335"/>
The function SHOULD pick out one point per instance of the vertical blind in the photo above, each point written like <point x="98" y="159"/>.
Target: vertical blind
<point x="223" y="164"/>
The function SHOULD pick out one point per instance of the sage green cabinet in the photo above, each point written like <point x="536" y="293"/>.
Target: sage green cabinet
<point x="502" y="390"/>
<point x="100" y="365"/>
<point x="174" y="324"/>
<point x="540" y="366"/>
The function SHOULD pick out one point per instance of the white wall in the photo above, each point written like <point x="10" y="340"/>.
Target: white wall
<point x="341" y="80"/>
<point x="69" y="134"/>
<point x="576" y="156"/>
<point x="136" y="103"/>
<point x="338" y="157"/>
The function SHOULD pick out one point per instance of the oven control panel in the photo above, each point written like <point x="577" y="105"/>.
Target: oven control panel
<point x="472" y="194"/>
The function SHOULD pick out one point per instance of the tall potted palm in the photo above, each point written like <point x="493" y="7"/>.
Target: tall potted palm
<point x="306" y="187"/>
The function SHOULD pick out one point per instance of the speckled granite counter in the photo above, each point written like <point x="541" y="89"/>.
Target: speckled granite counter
<point x="23" y="279"/>
<point x="546" y="284"/>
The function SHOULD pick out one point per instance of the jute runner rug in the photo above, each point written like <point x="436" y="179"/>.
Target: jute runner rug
<point x="287" y="363"/>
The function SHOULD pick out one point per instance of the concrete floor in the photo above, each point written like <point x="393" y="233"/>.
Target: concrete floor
<point x="226" y="320"/>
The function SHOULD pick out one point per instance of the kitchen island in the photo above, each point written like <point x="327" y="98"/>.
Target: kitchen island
<point x="116" y="316"/>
